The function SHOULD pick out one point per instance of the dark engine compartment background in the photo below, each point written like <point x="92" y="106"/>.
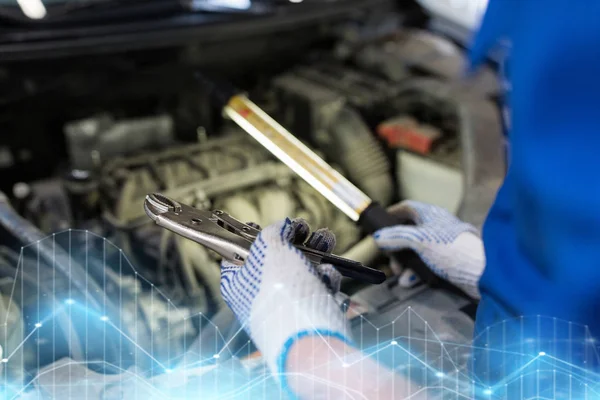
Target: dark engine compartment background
<point x="86" y="136"/>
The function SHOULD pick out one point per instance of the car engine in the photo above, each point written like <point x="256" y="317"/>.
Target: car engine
<point x="134" y="310"/>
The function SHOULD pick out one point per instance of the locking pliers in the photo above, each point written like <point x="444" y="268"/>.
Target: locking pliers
<point x="232" y="239"/>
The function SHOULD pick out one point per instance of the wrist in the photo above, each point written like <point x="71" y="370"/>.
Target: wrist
<point x="325" y="367"/>
<point x="310" y="359"/>
<point x="307" y="353"/>
<point x="278" y="322"/>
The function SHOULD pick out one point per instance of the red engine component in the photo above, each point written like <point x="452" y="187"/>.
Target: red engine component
<point x="407" y="133"/>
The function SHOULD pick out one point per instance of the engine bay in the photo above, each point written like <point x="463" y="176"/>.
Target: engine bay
<point x="134" y="310"/>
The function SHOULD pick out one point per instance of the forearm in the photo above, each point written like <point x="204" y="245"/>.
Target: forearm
<point x="328" y="368"/>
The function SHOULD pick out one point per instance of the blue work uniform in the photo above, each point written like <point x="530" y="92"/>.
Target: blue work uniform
<point x="541" y="285"/>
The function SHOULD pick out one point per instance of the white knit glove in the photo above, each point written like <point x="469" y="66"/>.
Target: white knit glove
<point x="279" y="296"/>
<point x="451" y="248"/>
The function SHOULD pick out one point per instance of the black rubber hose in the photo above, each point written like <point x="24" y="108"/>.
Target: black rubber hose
<point x="27" y="233"/>
<point x="65" y="324"/>
<point x="56" y="256"/>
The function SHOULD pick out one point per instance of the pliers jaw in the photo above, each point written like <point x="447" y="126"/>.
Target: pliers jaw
<point x="215" y="230"/>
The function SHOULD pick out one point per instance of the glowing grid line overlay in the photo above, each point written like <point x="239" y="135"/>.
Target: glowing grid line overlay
<point x="79" y="351"/>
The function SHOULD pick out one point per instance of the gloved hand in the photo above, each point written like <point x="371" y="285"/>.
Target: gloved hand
<point x="279" y="296"/>
<point x="451" y="248"/>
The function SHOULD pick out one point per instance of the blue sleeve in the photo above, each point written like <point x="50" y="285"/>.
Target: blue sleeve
<point x="541" y="286"/>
